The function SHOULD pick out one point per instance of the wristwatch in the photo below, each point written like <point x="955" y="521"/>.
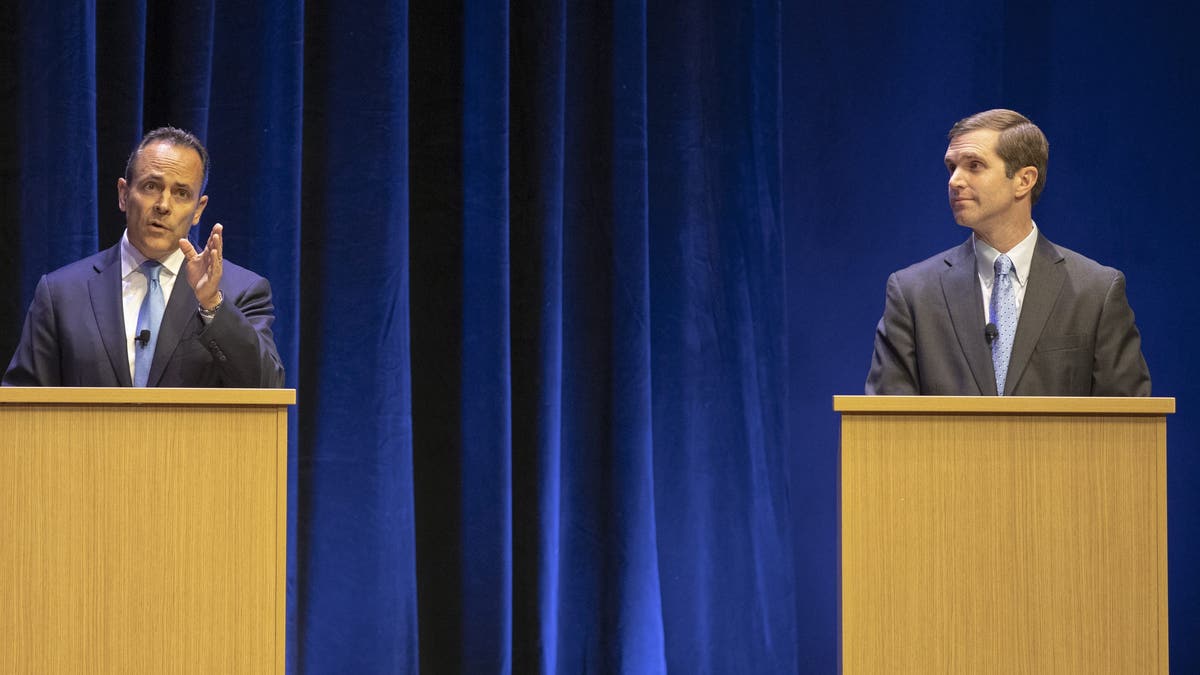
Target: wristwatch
<point x="210" y="314"/>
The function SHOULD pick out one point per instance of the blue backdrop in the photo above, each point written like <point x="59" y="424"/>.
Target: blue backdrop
<point x="566" y="287"/>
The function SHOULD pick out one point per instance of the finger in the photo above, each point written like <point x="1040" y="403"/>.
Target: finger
<point x="189" y="251"/>
<point x="215" y="239"/>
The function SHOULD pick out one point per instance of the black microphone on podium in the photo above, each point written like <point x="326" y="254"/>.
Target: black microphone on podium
<point x="990" y="333"/>
<point x="143" y="337"/>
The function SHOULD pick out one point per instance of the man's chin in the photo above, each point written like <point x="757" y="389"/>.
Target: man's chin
<point x="157" y="247"/>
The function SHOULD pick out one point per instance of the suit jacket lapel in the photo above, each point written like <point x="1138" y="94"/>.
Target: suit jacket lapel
<point x="960" y="284"/>
<point x="1046" y="276"/>
<point x="105" y="291"/>
<point x="180" y="310"/>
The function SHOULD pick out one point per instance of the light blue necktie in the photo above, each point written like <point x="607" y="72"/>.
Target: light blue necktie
<point x="1004" y="315"/>
<point x="149" y="318"/>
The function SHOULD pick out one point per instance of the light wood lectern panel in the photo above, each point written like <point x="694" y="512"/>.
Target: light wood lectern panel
<point x="1004" y="535"/>
<point x="143" y="530"/>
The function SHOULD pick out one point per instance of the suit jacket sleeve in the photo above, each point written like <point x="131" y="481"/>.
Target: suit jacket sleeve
<point x="36" y="362"/>
<point x="1119" y="369"/>
<point x="240" y="339"/>
<point x="894" y="363"/>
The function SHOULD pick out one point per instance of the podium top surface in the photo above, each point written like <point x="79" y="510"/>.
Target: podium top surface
<point x="146" y="396"/>
<point x="1006" y="405"/>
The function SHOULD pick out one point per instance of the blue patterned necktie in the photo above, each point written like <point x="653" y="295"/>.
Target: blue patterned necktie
<point x="1004" y="315"/>
<point x="149" y="319"/>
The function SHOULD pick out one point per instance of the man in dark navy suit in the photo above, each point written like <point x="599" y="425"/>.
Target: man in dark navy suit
<point x="89" y="320"/>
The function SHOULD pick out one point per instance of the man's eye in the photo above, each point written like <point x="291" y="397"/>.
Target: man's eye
<point x="150" y="187"/>
<point x="182" y="194"/>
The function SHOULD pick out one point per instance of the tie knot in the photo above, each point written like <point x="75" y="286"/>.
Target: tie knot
<point x="151" y="268"/>
<point x="1004" y="264"/>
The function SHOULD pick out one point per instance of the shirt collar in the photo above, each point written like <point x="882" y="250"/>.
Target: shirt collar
<point x="132" y="259"/>
<point x="1021" y="256"/>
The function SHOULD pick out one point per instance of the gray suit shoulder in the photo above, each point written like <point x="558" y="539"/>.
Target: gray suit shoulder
<point x="929" y="271"/>
<point x="937" y="262"/>
<point x="1081" y="267"/>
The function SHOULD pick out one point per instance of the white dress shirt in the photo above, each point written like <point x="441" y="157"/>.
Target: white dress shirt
<point x="134" y="287"/>
<point x="1021" y="256"/>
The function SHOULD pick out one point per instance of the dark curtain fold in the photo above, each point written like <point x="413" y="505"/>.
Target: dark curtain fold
<point x="354" y="575"/>
<point x="437" y="241"/>
<point x="610" y="616"/>
<point x="537" y="119"/>
<point x="54" y="113"/>
<point x="12" y="300"/>
<point x="718" y="338"/>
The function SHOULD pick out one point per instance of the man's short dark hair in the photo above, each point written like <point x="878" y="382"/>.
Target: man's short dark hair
<point x="172" y="136"/>
<point x="1021" y="142"/>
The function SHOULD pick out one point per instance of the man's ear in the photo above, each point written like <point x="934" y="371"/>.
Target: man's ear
<point x="1025" y="178"/>
<point x="122" y="193"/>
<point x="199" y="210"/>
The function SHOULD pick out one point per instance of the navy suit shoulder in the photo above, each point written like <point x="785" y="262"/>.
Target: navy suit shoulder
<point x="61" y="325"/>
<point x="74" y="333"/>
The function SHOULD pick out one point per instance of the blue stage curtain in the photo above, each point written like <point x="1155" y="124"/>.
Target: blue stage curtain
<point x="596" y="385"/>
<point x="528" y="274"/>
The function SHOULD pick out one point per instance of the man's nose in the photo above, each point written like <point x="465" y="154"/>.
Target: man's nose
<point x="163" y="203"/>
<point x="956" y="179"/>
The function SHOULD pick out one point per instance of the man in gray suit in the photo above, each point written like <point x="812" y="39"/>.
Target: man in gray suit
<point x="1006" y="312"/>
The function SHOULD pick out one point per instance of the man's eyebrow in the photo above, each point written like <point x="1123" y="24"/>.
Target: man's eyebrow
<point x="963" y="156"/>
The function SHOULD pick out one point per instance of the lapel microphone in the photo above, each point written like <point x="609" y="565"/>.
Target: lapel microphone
<point x="990" y="333"/>
<point x="144" y="337"/>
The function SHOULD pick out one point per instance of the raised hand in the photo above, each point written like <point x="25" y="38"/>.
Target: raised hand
<point x="204" y="268"/>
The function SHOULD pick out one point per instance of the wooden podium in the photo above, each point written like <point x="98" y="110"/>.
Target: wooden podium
<point x="1004" y="534"/>
<point x="143" y="530"/>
